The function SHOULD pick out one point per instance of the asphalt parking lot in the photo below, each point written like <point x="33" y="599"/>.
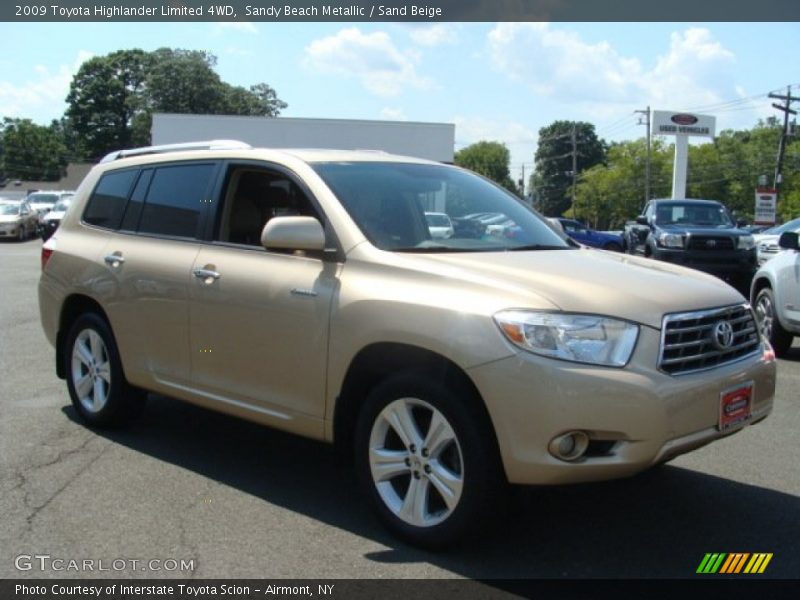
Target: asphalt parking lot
<point x="243" y="501"/>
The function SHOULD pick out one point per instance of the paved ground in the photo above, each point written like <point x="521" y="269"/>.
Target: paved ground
<point x="244" y="501"/>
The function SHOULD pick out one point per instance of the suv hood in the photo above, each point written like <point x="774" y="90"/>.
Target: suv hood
<point x="10" y="218"/>
<point x="588" y="281"/>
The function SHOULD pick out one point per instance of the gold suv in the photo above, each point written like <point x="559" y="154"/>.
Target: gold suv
<point x="303" y="289"/>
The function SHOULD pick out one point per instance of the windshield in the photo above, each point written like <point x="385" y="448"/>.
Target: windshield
<point x="688" y="213"/>
<point x="9" y="209"/>
<point x="388" y="202"/>
<point x="437" y="220"/>
<point x="792" y="225"/>
<point x="42" y="198"/>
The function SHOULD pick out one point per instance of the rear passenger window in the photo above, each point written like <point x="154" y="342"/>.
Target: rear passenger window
<point x="107" y="204"/>
<point x="175" y="200"/>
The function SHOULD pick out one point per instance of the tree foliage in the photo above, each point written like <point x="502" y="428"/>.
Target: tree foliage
<point x="112" y="98"/>
<point x="552" y="178"/>
<point x="727" y="169"/>
<point x="33" y="152"/>
<point x="490" y="159"/>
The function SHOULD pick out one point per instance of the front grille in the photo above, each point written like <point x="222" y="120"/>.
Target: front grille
<point x="710" y="242"/>
<point x="688" y="339"/>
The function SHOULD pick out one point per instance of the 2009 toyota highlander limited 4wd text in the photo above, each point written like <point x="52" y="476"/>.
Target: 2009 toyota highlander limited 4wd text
<point x="303" y="289"/>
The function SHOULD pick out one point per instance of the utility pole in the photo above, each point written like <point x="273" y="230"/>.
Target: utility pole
<point x="787" y="110"/>
<point x="646" y="123"/>
<point x="574" y="140"/>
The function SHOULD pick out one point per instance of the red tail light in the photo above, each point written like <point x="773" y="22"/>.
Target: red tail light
<point x="46" y="254"/>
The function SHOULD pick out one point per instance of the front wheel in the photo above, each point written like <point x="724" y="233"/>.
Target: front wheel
<point x="769" y="324"/>
<point x="96" y="383"/>
<point x="426" y="459"/>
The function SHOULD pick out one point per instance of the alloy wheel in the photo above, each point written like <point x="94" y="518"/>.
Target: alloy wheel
<point x="91" y="370"/>
<point x="416" y="462"/>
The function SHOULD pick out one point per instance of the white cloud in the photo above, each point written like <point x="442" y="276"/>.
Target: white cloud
<point x="393" y="114"/>
<point x="434" y="35"/>
<point x="474" y="129"/>
<point x="370" y="57"/>
<point x="42" y="97"/>
<point x="694" y="70"/>
<point x="239" y="26"/>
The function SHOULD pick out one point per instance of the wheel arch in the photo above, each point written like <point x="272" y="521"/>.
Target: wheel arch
<point x="74" y="306"/>
<point x="378" y="360"/>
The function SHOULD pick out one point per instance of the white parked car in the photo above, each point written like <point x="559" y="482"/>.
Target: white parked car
<point x="767" y="240"/>
<point x="775" y="295"/>
<point x="439" y="225"/>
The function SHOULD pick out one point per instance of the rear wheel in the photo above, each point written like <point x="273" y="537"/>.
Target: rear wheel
<point x="425" y="460"/>
<point x="96" y="383"/>
<point x="769" y="324"/>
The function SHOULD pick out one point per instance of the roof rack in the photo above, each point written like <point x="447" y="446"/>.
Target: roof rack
<point x="206" y="145"/>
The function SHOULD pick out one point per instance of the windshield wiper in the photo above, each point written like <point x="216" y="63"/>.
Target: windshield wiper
<point x="434" y="249"/>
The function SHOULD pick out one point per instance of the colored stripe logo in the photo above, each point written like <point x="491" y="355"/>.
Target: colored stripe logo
<point x="734" y="563"/>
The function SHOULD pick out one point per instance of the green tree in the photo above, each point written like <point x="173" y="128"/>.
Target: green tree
<point x="30" y="151"/>
<point x="610" y="194"/>
<point x="552" y="177"/>
<point x="490" y="159"/>
<point x="112" y="98"/>
<point x="105" y="96"/>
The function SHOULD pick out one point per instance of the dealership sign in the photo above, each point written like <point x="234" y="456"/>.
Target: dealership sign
<point x="666" y="122"/>
<point x="764" y="213"/>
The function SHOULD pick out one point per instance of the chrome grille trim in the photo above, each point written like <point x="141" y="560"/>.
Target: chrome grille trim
<point x="686" y="342"/>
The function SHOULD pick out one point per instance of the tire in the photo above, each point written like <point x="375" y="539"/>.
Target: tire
<point x="768" y="322"/>
<point x="613" y="247"/>
<point x="96" y="382"/>
<point x="21" y="235"/>
<point x="426" y="496"/>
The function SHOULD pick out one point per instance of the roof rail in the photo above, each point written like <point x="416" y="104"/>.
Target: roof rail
<point x="205" y="145"/>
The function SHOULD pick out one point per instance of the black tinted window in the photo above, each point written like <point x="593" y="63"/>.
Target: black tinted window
<point x="131" y="219"/>
<point x="175" y="200"/>
<point x="107" y="203"/>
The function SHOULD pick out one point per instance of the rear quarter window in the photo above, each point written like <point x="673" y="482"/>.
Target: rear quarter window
<point x="107" y="203"/>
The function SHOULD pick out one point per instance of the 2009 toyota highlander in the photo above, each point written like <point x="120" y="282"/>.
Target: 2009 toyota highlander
<point x="303" y="289"/>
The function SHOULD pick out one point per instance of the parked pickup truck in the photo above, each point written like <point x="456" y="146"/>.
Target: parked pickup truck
<point x="700" y="234"/>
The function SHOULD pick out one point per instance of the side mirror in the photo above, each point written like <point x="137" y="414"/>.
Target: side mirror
<point x="642" y="220"/>
<point x="788" y="240"/>
<point x="293" y="233"/>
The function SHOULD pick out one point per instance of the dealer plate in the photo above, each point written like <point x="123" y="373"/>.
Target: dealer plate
<point x="735" y="406"/>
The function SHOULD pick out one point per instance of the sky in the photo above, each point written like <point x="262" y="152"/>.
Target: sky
<point x="495" y="81"/>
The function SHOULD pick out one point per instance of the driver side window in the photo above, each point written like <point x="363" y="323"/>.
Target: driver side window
<point x="254" y="196"/>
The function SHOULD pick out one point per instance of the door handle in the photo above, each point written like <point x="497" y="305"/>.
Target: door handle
<point x="114" y="260"/>
<point x="207" y="275"/>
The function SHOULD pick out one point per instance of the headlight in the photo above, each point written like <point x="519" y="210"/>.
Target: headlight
<point x="746" y="242"/>
<point x="579" y="338"/>
<point x="670" y="240"/>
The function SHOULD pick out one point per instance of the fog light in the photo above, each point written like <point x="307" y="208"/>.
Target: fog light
<point x="569" y="446"/>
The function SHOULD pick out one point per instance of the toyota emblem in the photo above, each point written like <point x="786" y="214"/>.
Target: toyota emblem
<point x="723" y="335"/>
<point x="711" y="243"/>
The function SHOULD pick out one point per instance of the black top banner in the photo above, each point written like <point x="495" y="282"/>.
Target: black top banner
<point x="400" y="10"/>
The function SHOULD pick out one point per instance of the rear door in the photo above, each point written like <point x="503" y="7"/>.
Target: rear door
<point x="149" y="261"/>
<point x="259" y="319"/>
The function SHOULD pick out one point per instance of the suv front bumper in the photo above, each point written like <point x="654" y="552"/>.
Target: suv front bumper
<point x="635" y="417"/>
<point x="727" y="264"/>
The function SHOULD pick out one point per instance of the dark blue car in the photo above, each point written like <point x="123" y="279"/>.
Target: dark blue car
<point x="597" y="239"/>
